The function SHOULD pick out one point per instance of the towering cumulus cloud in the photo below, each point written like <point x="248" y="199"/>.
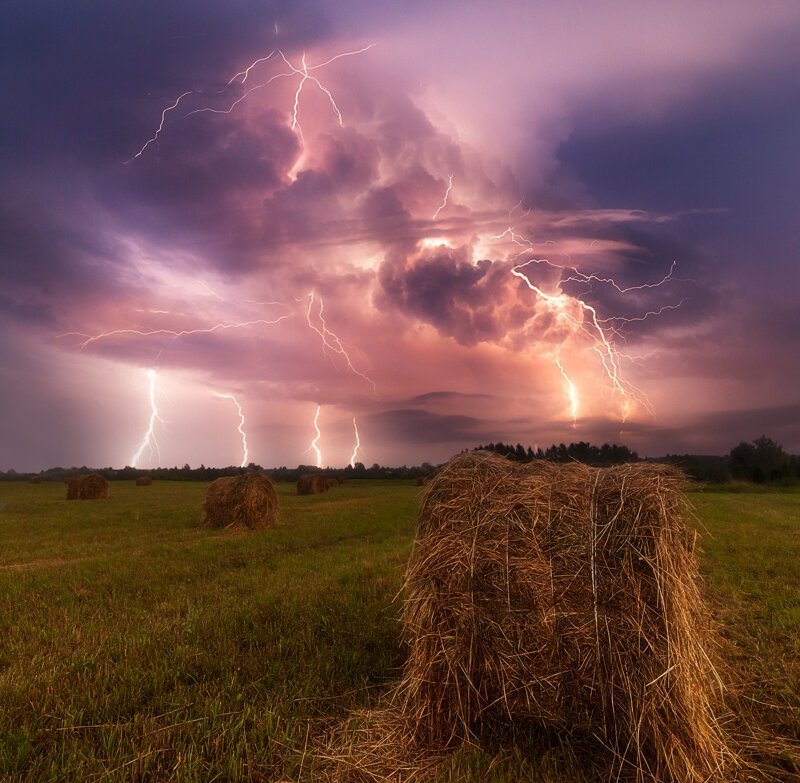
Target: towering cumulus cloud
<point x="536" y="224"/>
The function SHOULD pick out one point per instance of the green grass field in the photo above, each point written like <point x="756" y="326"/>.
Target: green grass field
<point x="135" y="646"/>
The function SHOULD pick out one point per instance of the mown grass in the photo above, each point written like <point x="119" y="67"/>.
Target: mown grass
<point x="135" y="646"/>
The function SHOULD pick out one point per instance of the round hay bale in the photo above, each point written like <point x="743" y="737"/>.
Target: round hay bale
<point x="567" y="596"/>
<point x="311" y="484"/>
<point x="87" y="486"/>
<point x="144" y="481"/>
<point x="247" y="501"/>
<point x="35" y="480"/>
<point x="331" y="483"/>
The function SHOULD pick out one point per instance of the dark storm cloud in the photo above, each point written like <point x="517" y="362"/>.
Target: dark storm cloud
<point x="716" y="432"/>
<point x="202" y="195"/>
<point x="96" y="75"/>
<point x="689" y="294"/>
<point x="49" y="262"/>
<point x="23" y="312"/>
<point x="406" y="425"/>
<point x="84" y="85"/>
<point x="719" y="147"/>
<point x="446" y="397"/>
<point x="781" y="421"/>
<point x="87" y="242"/>
<point x="731" y="144"/>
<point x="33" y="413"/>
<point x="444" y="288"/>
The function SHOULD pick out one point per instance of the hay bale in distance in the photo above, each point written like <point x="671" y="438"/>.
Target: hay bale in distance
<point x="87" y="486"/>
<point x="144" y="481"/>
<point x="331" y="483"/>
<point x="311" y="484"/>
<point x="248" y="501"/>
<point x="35" y="480"/>
<point x="568" y="596"/>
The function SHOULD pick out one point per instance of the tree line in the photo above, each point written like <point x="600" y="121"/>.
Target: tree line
<point x="761" y="460"/>
<point x="203" y="473"/>
<point x="607" y="454"/>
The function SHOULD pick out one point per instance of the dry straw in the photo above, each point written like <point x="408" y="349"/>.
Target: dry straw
<point x="144" y="481"/>
<point x="248" y="501"/>
<point x="555" y="595"/>
<point x="311" y="484"/>
<point x="88" y="486"/>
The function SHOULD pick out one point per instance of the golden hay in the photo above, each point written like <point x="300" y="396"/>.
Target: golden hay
<point x="88" y="486"/>
<point x="566" y="595"/>
<point x="331" y="483"/>
<point x="559" y="595"/>
<point x="311" y="484"/>
<point x="144" y="481"/>
<point x="247" y="501"/>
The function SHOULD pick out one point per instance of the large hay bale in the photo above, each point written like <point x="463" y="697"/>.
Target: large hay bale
<point x="247" y="501"/>
<point x="87" y="486"/>
<point x="144" y="481"/>
<point x="567" y="596"/>
<point x="331" y="483"/>
<point x="311" y="484"/>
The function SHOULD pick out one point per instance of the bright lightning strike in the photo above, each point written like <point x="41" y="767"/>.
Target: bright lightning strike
<point x="330" y="341"/>
<point x="583" y="317"/>
<point x="356" y="446"/>
<point x="444" y="200"/>
<point x="149" y="438"/>
<point x="315" y="443"/>
<point x="304" y="72"/>
<point x="571" y="391"/>
<point x="562" y="303"/>
<point x="241" y="425"/>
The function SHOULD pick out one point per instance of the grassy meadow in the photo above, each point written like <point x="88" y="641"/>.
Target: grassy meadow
<point x="135" y="646"/>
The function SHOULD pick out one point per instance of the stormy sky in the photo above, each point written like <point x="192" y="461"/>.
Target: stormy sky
<point x="451" y="222"/>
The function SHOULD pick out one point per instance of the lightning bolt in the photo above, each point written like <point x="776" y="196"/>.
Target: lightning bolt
<point x="149" y="438"/>
<point x="356" y="446"/>
<point x="444" y="200"/>
<point x="580" y="277"/>
<point x="571" y="391"/>
<point x="562" y="303"/>
<point x="241" y="424"/>
<point x="330" y="341"/>
<point x="583" y="316"/>
<point x="154" y="138"/>
<point x="314" y="443"/>
<point x="170" y="332"/>
<point x="240" y="79"/>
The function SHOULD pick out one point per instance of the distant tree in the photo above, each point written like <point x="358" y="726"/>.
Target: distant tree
<point x="761" y="460"/>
